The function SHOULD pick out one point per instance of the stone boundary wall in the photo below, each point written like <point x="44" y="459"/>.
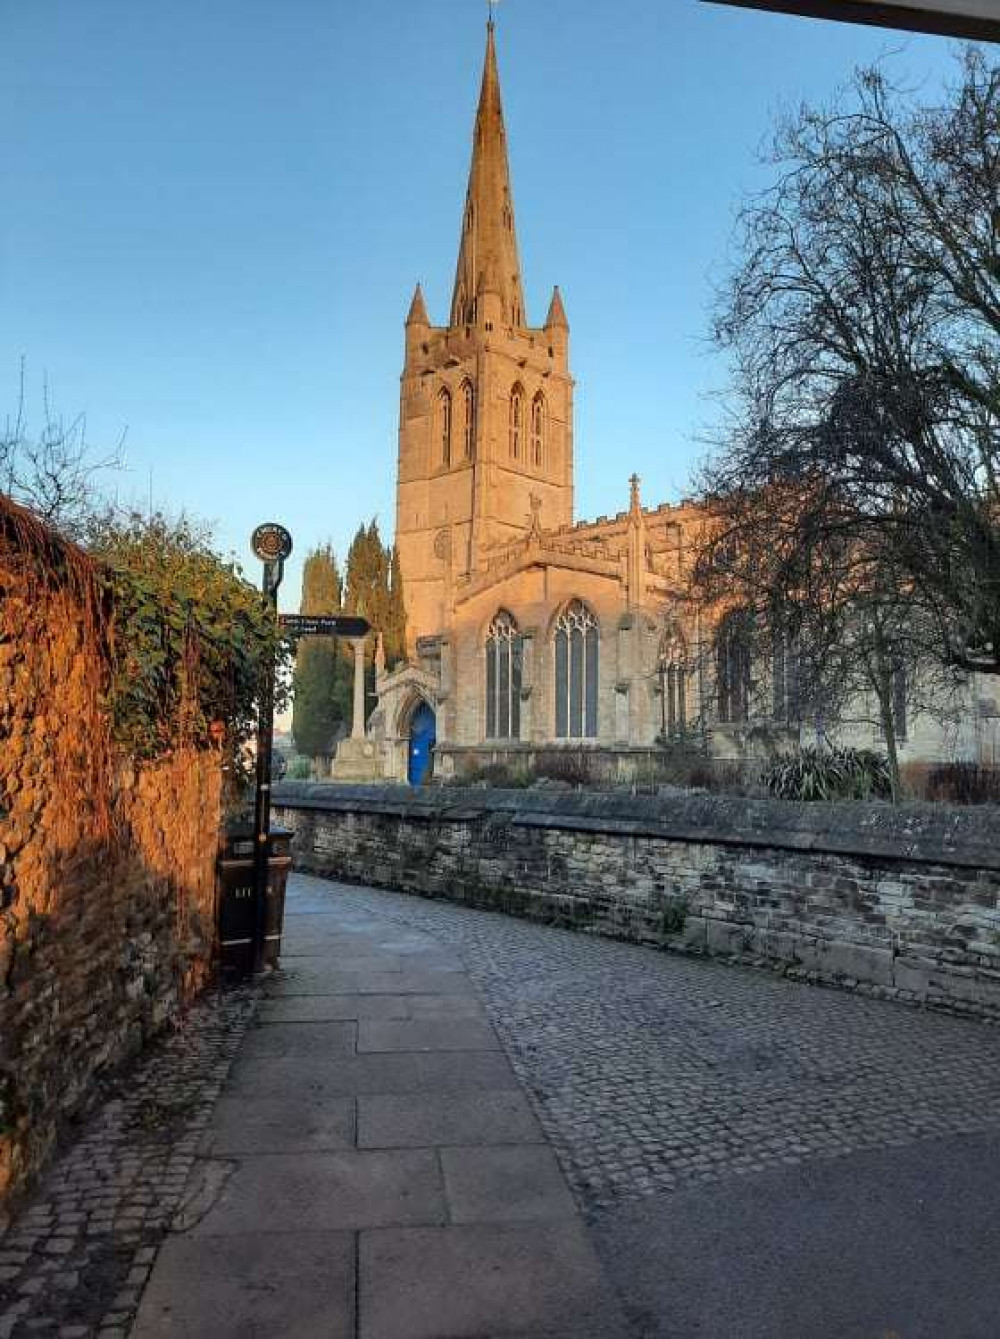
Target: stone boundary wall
<point x="901" y="903"/>
<point x="106" y="870"/>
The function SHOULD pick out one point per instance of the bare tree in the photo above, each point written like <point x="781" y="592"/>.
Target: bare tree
<point x="864" y="322"/>
<point x="829" y="634"/>
<point x="55" y="471"/>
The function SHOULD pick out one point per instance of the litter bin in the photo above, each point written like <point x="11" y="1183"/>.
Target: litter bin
<point x="236" y="902"/>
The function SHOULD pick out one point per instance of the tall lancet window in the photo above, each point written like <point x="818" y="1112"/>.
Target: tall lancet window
<point x="504" y="657"/>
<point x="733" y="665"/>
<point x="673" y="685"/>
<point x="785" y="677"/>
<point x="516" y="422"/>
<point x="468" y="420"/>
<point x="538" y="431"/>
<point x="444" y="426"/>
<point x="576" y="643"/>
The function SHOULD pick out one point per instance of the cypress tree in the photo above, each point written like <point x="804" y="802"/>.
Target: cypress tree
<point x="395" y="632"/>
<point x="373" y="588"/>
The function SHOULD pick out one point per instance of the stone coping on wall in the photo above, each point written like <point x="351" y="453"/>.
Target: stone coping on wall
<point x="965" y="838"/>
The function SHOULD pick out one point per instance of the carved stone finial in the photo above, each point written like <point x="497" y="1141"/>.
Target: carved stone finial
<point x="635" y="502"/>
<point x="379" y="654"/>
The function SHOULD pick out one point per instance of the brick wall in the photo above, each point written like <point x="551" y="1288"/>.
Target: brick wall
<point x="106" y="871"/>
<point x="897" y="902"/>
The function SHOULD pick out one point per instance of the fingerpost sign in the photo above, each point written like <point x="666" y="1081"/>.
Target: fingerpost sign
<point x="272" y="544"/>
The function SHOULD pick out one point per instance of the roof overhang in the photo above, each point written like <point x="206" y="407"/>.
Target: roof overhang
<point x="978" y="20"/>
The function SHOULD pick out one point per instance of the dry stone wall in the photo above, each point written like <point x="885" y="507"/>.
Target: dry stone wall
<point x="903" y="903"/>
<point x="106" y="871"/>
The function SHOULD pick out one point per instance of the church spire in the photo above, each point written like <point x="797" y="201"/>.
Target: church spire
<point x="487" y="258"/>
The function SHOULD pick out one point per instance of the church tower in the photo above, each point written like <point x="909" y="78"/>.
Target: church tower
<point x="486" y="403"/>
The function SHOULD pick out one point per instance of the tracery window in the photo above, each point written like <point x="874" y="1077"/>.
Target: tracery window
<point x="504" y="659"/>
<point x="468" y="420"/>
<point x="785" y="705"/>
<point x="732" y="649"/>
<point x="538" y="430"/>
<point x="673" y="686"/>
<point x="516" y="420"/>
<point x="444" y="426"/>
<point x="576" y="667"/>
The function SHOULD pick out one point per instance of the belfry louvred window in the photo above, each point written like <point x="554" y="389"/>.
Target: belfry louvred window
<point x="516" y="422"/>
<point x="576" y="666"/>
<point x="468" y="420"/>
<point x="538" y="431"/>
<point x="444" y="426"/>
<point x="504" y="657"/>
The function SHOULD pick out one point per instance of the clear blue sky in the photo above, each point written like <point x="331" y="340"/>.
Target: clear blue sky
<point x="215" y="212"/>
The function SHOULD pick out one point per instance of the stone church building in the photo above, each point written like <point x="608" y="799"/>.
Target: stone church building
<point x="530" y="633"/>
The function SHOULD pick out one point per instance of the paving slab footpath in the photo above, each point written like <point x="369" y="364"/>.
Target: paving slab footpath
<point x="373" y="1169"/>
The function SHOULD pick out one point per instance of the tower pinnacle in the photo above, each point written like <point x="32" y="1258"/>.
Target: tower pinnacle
<point x="556" y="318"/>
<point x="418" y="309"/>
<point x="487" y="257"/>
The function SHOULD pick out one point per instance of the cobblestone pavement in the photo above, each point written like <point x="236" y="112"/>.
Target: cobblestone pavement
<point x="74" y="1260"/>
<point x="651" y="1072"/>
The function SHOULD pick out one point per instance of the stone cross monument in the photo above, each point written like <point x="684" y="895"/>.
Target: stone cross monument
<point x="357" y="757"/>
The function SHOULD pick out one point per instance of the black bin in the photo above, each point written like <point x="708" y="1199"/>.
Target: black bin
<point x="236" y="903"/>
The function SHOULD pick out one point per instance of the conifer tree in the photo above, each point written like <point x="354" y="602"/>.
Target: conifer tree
<point x="395" y="630"/>
<point x="321" y="686"/>
<point x="373" y="588"/>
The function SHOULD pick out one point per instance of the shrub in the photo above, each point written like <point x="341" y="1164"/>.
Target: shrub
<point x="829" y="774"/>
<point x="573" y="768"/>
<point x="494" y="774"/>
<point x="964" y="783"/>
<point x="190" y="636"/>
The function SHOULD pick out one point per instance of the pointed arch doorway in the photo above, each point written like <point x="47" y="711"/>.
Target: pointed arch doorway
<point x="420" y="747"/>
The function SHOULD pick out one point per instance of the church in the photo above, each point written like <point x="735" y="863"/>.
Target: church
<point x="530" y="634"/>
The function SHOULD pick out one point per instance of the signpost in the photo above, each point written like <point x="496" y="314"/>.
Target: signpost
<point x="977" y="20"/>
<point x="272" y="544"/>
<point x="324" y="625"/>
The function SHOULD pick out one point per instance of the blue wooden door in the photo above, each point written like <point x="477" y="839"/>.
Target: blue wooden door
<point x="423" y="732"/>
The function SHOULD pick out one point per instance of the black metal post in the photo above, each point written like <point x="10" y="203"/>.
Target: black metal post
<point x="262" y="801"/>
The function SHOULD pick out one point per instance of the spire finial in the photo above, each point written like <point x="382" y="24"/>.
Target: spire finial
<point x="635" y="502"/>
<point x="488" y="232"/>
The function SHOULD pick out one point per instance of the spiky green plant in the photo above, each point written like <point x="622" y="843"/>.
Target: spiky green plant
<point x="814" y="774"/>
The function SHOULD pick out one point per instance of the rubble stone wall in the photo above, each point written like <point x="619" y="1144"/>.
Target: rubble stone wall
<point x="902" y="903"/>
<point x="106" y="871"/>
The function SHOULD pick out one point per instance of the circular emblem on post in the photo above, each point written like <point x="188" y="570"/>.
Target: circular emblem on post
<point x="271" y="542"/>
<point x="442" y="544"/>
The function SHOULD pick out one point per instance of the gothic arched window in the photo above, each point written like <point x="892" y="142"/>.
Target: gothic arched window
<point x="732" y="651"/>
<point x="785" y="678"/>
<point x="516" y="420"/>
<point x="444" y="425"/>
<point x="504" y="657"/>
<point x="673" y="685"/>
<point x="538" y="430"/>
<point x="468" y="420"/>
<point x="576" y="643"/>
